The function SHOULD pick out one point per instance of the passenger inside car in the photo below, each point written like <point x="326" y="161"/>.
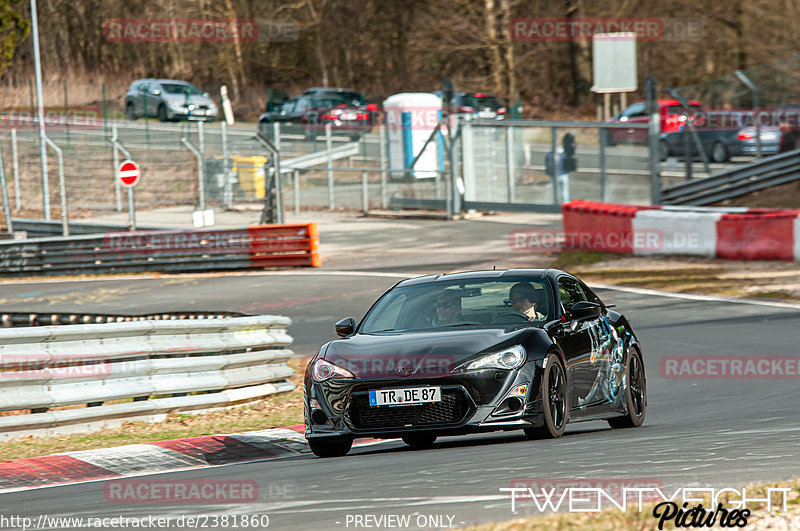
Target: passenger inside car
<point x="525" y="299"/>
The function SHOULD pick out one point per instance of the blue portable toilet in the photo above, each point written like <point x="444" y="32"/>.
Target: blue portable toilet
<point x="411" y="117"/>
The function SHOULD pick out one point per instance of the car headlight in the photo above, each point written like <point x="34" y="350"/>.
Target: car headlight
<point x="508" y="358"/>
<point x="324" y="370"/>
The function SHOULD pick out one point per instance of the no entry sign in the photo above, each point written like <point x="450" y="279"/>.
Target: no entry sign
<point x="128" y="173"/>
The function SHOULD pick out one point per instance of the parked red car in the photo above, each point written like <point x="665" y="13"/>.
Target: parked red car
<point x="672" y="119"/>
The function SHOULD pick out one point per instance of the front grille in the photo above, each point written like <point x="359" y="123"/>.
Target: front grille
<point x="451" y="410"/>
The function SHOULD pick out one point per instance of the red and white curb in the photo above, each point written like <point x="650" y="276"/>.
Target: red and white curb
<point x="155" y="457"/>
<point x="733" y="233"/>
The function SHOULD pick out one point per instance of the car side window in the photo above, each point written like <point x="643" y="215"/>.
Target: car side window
<point x="570" y="292"/>
<point x="142" y="87"/>
<point x="303" y="104"/>
<point x="635" y="110"/>
<point x="590" y="295"/>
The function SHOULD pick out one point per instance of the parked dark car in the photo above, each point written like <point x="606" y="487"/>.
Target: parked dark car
<point x="168" y="99"/>
<point x="480" y="104"/>
<point x="344" y="109"/>
<point x="520" y="349"/>
<point x="720" y="144"/>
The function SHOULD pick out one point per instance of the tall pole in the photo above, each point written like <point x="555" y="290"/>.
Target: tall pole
<point x="42" y="135"/>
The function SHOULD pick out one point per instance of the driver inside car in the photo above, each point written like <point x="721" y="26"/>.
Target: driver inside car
<point x="524" y="299"/>
<point x="448" y="309"/>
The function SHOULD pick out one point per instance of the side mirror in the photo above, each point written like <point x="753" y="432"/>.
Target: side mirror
<point x="205" y="94"/>
<point x="583" y="310"/>
<point x="345" y="327"/>
<point x="156" y="92"/>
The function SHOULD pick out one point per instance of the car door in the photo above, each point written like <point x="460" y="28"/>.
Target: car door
<point x="576" y="343"/>
<point x="607" y="357"/>
<point x="138" y="98"/>
<point x="636" y="114"/>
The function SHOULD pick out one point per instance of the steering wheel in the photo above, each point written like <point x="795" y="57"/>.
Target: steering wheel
<point x="512" y="314"/>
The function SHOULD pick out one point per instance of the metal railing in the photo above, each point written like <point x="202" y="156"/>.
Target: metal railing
<point x="763" y="173"/>
<point x="188" y="250"/>
<point x="146" y="367"/>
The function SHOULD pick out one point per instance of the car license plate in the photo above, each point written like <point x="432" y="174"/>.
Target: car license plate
<point x="404" y="397"/>
<point x="349" y="116"/>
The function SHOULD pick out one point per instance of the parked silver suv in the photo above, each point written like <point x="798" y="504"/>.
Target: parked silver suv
<point x="168" y="99"/>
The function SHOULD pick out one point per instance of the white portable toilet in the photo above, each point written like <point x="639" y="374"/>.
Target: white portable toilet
<point x="411" y="117"/>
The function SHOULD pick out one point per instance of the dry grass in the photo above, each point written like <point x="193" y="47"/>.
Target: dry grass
<point x="275" y="411"/>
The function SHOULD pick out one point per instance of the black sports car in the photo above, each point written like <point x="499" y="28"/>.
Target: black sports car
<point x="469" y="352"/>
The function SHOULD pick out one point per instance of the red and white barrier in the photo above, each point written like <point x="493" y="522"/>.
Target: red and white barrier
<point x="734" y="233"/>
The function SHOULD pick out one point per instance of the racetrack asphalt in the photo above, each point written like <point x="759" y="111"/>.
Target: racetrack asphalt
<point x="712" y="432"/>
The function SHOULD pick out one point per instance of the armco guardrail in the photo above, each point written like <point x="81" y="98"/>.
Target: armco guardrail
<point x="148" y="367"/>
<point x="770" y="171"/>
<point x="40" y="228"/>
<point x="19" y="319"/>
<point x="177" y="250"/>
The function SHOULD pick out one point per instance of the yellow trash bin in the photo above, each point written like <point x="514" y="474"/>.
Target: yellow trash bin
<point x="250" y="171"/>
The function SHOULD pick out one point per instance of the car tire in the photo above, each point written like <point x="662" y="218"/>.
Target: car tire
<point x="162" y="113"/>
<point x="333" y="448"/>
<point x="419" y="440"/>
<point x="554" y="401"/>
<point x="635" y="395"/>
<point x="663" y="150"/>
<point x="130" y="113"/>
<point x="719" y="152"/>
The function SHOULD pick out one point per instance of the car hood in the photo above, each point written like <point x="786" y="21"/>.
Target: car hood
<point x="379" y="355"/>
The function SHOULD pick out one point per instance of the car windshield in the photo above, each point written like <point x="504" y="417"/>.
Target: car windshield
<point x="482" y="302"/>
<point x="483" y="101"/>
<point x="180" y="88"/>
<point x="334" y="98"/>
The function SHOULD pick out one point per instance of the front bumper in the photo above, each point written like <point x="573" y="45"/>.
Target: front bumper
<point x="193" y="114"/>
<point x="471" y="404"/>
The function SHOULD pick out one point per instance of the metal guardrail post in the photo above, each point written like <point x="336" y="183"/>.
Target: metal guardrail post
<point x="382" y="158"/>
<point x="201" y="181"/>
<point x="654" y="141"/>
<point x="62" y="187"/>
<point x="603" y="176"/>
<point x="276" y="165"/>
<point x="15" y="162"/>
<point x="227" y="198"/>
<point x="115" y="162"/>
<point x="756" y="105"/>
<point x="467" y="164"/>
<point x="6" y="206"/>
<point x="201" y="147"/>
<point x="364" y="193"/>
<point x="554" y="148"/>
<point x="296" y="184"/>
<point x="328" y="150"/>
<point x="510" y="169"/>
